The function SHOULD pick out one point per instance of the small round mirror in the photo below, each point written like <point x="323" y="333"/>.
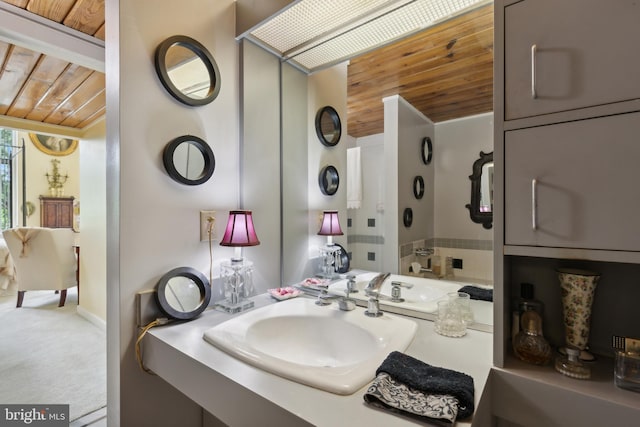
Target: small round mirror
<point x="407" y="217"/>
<point x="183" y="293"/>
<point x="187" y="70"/>
<point x="328" y="126"/>
<point x="427" y="150"/>
<point x="329" y="180"/>
<point x="189" y="160"/>
<point x="418" y="187"/>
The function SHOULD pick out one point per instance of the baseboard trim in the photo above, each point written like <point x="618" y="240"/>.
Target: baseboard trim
<point x="100" y="323"/>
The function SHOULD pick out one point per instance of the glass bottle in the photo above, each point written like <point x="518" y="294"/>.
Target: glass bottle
<point x="529" y="345"/>
<point x="526" y="302"/>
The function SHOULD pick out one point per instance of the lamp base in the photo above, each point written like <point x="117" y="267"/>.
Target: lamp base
<point x="231" y="307"/>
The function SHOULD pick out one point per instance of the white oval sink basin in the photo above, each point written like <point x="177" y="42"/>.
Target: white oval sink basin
<point x="320" y="346"/>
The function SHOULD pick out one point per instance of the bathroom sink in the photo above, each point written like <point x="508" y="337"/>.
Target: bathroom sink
<point x="320" y="346"/>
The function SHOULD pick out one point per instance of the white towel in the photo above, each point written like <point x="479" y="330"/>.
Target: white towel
<point x="354" y="178"/>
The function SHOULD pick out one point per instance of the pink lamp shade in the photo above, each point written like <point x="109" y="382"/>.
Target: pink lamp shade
<point x="330" y="224"/>
<point x="240" y="230"/>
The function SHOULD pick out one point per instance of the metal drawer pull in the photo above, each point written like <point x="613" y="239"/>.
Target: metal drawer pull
<point x="534" y="93"/>
<point x="534" y="204"/>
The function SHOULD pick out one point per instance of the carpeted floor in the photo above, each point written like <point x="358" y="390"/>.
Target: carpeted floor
<point x="51" y="355"/>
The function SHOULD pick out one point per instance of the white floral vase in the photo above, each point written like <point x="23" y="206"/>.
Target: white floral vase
<point x="578" y="288"/>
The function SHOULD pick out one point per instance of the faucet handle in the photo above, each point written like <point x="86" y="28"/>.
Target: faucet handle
<point x="351" y="285"/>
<point x="373" y="306"/>
<point x="402" y="285"/>
<point x="323" y="298"/>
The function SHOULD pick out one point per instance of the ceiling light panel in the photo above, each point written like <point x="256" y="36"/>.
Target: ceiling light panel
<point x="309" y="19"/>
<point x="314" y="34"/>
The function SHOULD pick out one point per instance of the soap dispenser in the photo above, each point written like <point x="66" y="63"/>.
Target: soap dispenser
<point x="435" y="264"/>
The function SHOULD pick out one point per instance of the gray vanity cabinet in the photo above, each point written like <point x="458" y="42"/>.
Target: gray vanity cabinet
<point x="564" y="55"/>
<point x="574" y="185"/>
<point x="566" y="155"/>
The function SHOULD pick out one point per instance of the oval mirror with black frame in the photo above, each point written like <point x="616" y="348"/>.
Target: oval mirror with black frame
<point x="426" y="151"/>
<point x="345" y="261"/>
<point x="189" y="160"/>
<point x="481" y="206"/>
<point x="329" y="180"/>
<point x="328" y="126"/>
<point x="418" y="187"/>
<point x="183" y="293"/>
<point x="187" y="70"/>
<point x="407" y="217"/>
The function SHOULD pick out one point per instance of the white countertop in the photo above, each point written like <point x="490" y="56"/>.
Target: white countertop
<point x="240" y="394"/>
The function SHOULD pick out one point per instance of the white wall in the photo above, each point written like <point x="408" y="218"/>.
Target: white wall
<point x="93" y="248"/>
<point x="458" y="144"/>
<point x="153" y="221"/>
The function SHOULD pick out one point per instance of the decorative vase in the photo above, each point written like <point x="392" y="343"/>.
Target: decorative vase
<point x="578" y="288"/>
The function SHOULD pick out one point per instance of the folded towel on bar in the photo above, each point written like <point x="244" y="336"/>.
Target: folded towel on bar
<point x="477" y="293"/>
<point x="409" y="386"/>
<point x="354" y="178"/>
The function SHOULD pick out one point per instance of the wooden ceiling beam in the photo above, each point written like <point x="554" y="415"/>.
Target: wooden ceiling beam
<point x="31" y="31"/>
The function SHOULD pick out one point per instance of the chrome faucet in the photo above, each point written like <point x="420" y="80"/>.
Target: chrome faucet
<point x="376" y="283"/>
<point x="373" y="292"/>
<point x="344" y="302"/>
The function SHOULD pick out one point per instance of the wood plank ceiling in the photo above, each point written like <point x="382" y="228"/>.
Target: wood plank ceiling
<point x="45" y="89"/>
<point x="446" y="72"/>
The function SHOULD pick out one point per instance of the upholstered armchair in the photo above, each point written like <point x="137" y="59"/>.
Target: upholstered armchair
<point x="44" y="259"/>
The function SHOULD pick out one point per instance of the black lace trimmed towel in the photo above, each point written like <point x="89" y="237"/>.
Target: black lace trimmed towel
<point x="478" y="293"/>
<point x="409" y="386"/>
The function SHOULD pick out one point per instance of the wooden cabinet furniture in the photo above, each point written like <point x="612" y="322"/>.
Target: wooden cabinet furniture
<point x="56" y="212"/>
<point x="567" y="116"/>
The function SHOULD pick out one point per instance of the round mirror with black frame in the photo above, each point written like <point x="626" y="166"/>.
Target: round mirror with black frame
<point x="328" y="126"/>
<point x="418" y="187"/>
<point x="329" y="180"/>
<point x="189" y="160"/>
<point x="426" y="151"/>
<point x="183" y="293"/>
<point x="407" y="217"/>
<point x="187" y="70"/>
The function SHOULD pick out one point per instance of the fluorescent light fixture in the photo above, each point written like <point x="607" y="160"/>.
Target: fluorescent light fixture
<point x="315" y="34"/>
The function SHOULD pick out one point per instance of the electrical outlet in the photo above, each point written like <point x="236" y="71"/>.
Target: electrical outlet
<point x="206" y="217"/>
<point x="146" y="307"/>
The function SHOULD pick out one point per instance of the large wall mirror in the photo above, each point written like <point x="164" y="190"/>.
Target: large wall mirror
<point x="189" y="160"/>
<point x="187" y="70"/>
<point x="481" y="206"/>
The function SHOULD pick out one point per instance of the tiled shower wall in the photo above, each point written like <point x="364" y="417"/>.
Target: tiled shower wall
<point x="476" y="256"/>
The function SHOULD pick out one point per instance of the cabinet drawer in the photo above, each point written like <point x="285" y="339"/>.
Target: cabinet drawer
<point x="586" y="192"/>
<point x="585" y="55"/>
